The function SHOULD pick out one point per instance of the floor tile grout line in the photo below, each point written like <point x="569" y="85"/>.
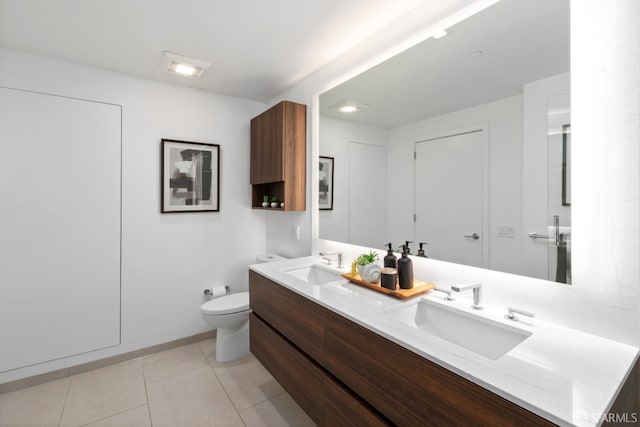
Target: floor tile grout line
<point x="111" y="415"/>
<point x="179" y="373"/>
<point x="64" y="405"/>
<point x="235" y="408"/>
<point x="146" y="392"/>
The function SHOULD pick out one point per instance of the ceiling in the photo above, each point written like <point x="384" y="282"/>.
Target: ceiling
<point x="258" y="48"/>
<point x="521" y="41"/>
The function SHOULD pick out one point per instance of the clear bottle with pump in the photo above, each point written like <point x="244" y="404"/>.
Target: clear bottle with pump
<point x="390" y="260"/>
<point x="405" y="269"/>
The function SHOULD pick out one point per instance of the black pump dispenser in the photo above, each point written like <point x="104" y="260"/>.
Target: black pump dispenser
<point x="405" y="269"/>
<point x="390" y="260"/>
<point x="406" y="243"/>
<point x="421" y="251"/>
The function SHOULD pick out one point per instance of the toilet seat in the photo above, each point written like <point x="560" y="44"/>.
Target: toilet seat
<point x="228" y="304"/>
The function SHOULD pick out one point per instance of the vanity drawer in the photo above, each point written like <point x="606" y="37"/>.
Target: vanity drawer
<point x="322" y="397"/>
<point x="342" y="408"/>
<point x="295" y="317"/>
<point x="409" y="389"/>
<point x="302" y="378"/>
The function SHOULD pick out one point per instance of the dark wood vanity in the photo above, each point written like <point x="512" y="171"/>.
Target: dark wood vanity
<point x="343" y="374"/>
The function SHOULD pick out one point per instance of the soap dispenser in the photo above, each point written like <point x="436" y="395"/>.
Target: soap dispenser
<point x="406" y="243"/>
<point x="405" y="269"/>
<point x="421" y="251"/>
<point x="390" y="260"/>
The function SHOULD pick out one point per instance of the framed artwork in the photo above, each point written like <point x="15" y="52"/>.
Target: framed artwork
<point x="190" y="176"/>
<point x="326" y="183"/>
<point x="566" y="165"/>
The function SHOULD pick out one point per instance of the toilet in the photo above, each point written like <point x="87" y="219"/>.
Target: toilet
<point x="229" y="314"/>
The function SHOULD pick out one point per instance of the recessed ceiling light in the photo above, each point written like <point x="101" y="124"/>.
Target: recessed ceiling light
<point x="183" y="65"/>
<point x="348" y="106"/>
<point x="185" y="69"/>
<point x="476" y="54"/>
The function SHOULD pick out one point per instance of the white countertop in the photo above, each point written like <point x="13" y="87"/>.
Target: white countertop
<point x="564" y="375"/>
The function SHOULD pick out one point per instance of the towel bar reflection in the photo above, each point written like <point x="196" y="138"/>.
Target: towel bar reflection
<point x="538" y="236"/>
<point x="555" y="239"/>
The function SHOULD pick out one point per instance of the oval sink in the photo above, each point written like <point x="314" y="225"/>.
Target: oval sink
<point x="482" y="336"/>
<point x="316" y="275"/>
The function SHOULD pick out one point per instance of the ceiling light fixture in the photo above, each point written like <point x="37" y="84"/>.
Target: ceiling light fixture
<point x="348" y="106"/>
<point x="183" y="65"/>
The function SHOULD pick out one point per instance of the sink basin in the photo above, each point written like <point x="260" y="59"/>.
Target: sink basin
<point x="316" y="275"/>
<point x="477" y="334"/>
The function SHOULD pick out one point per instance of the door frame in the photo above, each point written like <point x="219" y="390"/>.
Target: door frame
<point x="484" y="128"/>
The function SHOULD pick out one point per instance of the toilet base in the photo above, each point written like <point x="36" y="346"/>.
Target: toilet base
<point x="232" y="343"/>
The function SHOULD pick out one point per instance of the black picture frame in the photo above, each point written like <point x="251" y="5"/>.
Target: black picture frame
<point x="325" y="183"/>
<point x="190" y="176"/>
<point x="566" y="165"/>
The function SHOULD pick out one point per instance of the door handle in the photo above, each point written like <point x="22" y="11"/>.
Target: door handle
<point x="474" y="236"/>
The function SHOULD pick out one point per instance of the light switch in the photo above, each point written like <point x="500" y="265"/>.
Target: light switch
<point x="506" y="231"/>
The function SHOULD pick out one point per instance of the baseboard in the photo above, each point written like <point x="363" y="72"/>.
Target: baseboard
<point x="84" y="367"/>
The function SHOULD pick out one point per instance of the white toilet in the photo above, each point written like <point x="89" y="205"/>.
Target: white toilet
<point x="230" y="316"/>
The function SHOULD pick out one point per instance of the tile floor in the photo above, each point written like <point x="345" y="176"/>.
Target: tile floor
<point x="181" y="387"/>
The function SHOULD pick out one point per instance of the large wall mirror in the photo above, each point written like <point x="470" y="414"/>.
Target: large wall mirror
<point x="461" y="143"/>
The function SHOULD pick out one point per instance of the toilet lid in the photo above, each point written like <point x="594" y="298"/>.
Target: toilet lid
<point x="232" y="303"/>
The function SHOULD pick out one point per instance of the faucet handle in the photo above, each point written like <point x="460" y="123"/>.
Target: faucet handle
<point x="445" y="291"/>
<point x="512" y="313"/>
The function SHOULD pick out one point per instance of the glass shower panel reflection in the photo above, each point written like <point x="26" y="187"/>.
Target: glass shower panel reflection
<point x="559" y="188"/>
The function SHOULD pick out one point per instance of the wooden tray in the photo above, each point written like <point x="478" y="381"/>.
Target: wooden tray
<point x="419" y="286"/>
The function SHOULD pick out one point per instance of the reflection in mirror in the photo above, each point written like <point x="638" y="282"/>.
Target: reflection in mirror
<point x="559" y="188"/>
<point x="434" y="147"/>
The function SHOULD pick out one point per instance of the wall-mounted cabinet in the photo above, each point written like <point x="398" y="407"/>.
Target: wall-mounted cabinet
<point x="278" y="156"/>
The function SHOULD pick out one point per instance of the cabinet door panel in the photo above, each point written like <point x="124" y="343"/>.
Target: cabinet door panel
<point x="342" y="408"/>
<point x="295" y="317"/>
<point x="302" y="378"/>
<point x="267" y="149"/>
<point x="409" y="389"/>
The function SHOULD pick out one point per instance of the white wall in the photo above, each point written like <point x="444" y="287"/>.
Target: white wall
<point x="167" y="259"/>
<point x="505" y="161"/>
<point x="335" y="136"/>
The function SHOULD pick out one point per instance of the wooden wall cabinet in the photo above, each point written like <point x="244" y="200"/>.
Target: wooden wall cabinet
<point x="279" y="156"/>
<point x="342" y="374"/>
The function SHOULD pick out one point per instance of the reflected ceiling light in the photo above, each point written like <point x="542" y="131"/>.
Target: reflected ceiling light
<point x="439" y="34"/>
<point x="183" y="65"/>
<point x="348" y="106"/>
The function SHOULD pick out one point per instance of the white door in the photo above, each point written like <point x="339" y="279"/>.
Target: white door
<point x="449" y="197"/>
<point x="367" y="188"/>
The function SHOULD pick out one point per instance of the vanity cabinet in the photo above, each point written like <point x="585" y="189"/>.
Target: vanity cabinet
<point x="343" y="374"/>
<point x="278" y="155"/>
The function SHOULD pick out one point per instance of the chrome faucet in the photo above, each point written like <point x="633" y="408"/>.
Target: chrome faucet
<point x="447" y="292"/>
<point x="477" y="293"/>
<point x="511" y="315"/>
<point x="326" y="256"/>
